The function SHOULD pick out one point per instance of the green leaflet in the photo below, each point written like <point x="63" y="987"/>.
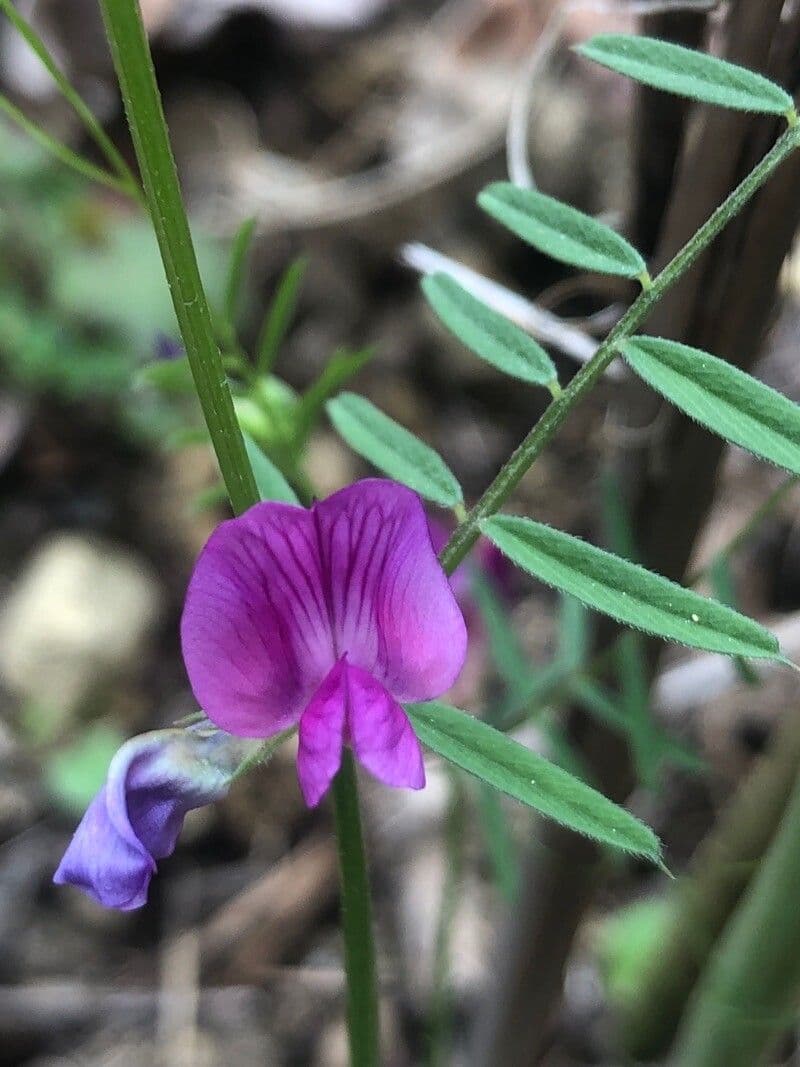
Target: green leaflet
<point x="561" y="231"/>
<point x="626" y="591"/>
<point x="721" y="397"/>
<point x="237" y="258"/>
<point x="513" y="769"/>
<point x="487" y="333"/>
<point x="628" y="942"/>
<point x="340" y="368"/>
<point x="270" y="483"/>
<point x="279" y="315"/>
<point x="687" y="73"/>
<point x="392" y="449"/>
<point x="125" y="267"/>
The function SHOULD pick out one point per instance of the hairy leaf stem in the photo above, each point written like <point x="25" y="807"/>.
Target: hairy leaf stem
<point x="262" y="753"/>
<point x="467" y="533"/>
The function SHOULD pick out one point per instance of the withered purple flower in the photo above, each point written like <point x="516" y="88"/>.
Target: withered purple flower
<point x="330" y="618"/>
<point x="135" y="819"/>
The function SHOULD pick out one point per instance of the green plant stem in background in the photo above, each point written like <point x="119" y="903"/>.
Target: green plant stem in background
<point x="127" y="181"/>
<point x="748" y="529"/>
<point x="499" y="842"/>
<point x="759" y="515"/>
<point x="359" y="949"/>
<point x="545" y="429"/>
<point x="63" y="153"/>
<point x="134" y="66"/>
<point x="749" y="991"/>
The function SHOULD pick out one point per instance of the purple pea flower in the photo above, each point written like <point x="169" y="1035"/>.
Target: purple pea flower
<point x="327" y="617"/>
<point x="135" y="819"/>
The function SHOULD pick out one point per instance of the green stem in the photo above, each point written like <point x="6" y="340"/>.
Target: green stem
<point x="749" y="991"/>
<point x="359" y="950"/>
<point x="134" y="66"/>
<point x="498" y="842"/>
<point x="545" y="429"/>
<point x="128" y="182"/>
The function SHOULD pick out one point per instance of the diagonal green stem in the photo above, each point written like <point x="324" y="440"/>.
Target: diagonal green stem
<point x="134" y="66"/>
<point x="545" y="429"/>
<point x="359" y="950"/>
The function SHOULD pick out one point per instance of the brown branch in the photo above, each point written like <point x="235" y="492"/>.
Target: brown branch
<point x="658" y="134"/>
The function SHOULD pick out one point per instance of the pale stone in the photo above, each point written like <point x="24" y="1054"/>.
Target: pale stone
<point x="77" y="615"/>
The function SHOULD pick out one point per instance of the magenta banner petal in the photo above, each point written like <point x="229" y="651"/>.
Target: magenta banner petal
<point x="279" y="595"/>
<point x="329" y="617"/>
<point x="392" y="609"/>
<point x="321" y="736"/>
<point x="255" y="631"/>
<point x="381" y="735"/>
